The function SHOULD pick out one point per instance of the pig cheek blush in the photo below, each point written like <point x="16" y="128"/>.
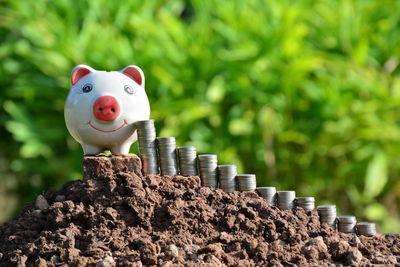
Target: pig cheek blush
<point x="102" y="108"/>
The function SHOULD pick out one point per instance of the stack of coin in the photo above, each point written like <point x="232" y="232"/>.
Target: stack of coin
<point x="327" y="214"/>
<point x="268" y="193"/>
<point x="246" y="182"/>
<point x="346" y="223"/>
<point x="286" y="199"/>
<point x="227" y="174"/>
<point x="366" y="228"/>
<point x="187" y="160"/>
<point x="208" y="164"/>
<point x="307" y="203"/>
<point x="147" y="146"/>
<point x="167" y="155"/>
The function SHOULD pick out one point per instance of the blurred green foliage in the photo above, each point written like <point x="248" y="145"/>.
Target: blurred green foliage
<point x="306" y="94"/>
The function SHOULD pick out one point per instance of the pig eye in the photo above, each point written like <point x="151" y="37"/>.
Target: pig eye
<point x="87" y="88"/>
<point x="129" y="90"/>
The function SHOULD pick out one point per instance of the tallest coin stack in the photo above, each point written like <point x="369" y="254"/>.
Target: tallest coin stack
<point x="147" y="146"/>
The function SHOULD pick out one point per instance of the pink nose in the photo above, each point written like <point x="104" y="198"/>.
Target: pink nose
<point x="106" y="108"/>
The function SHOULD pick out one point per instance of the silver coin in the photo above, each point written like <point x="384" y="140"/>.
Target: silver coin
<point x="208" y="168"/>
<point x="167" y="155"/>
<point x="346" y="223"/>
<point x="227" y="177"/>
<point x="147" y="146"/>
<point x="307" y="203"/>
<point x="286" y="199"/>
<point x="268" y="193"/>
<point x="187" y="156"/>
<point x="327" y="214"/>
<point x="366" y="228"/>
<point x="246" y="182"/>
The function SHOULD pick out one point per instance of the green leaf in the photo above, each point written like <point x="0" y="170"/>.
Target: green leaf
<point x="376" y="176"/>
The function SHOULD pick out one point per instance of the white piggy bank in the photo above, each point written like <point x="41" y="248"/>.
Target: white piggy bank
<point x="102" y="107"/>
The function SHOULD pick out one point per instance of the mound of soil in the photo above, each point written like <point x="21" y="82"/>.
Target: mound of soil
<point x="117" y="217"/>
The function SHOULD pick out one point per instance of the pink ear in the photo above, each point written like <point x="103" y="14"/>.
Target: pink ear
<point x="78" y="72"/>
<point x="135" y="73"/>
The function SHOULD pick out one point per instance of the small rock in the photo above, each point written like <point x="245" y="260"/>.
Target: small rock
<point x="193" y="257"/>
<point x="41" y="203"/>
<point x="107" y="261"/>
<point x="173" y="251"/>
<point x="319" y="243"/>
<point x="191" y="248"/>
<point x="354" y="256"/>
<point x="60" y="198"/>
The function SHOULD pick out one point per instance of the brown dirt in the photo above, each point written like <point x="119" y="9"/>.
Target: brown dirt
<point x="114" y="216"/>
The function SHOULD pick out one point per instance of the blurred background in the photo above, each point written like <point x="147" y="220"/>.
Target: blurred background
<point x="306" y="94"/>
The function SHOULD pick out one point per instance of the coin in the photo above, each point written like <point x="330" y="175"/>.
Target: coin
<point x="327" y="214"/>
<point x="307" y="203"/>
<point x="286" y="199"/>
<point x="268" y="193"/>
<point x="208" y="166"/>
<point x="346" y="223"/>
<point x="366" y="228"/>
<point x="167" y="155"/>
<point x="147" y="146"/>
<point x="227" y="174"/>
<point x="246" y="182"/>
<point x="187" y="156"/>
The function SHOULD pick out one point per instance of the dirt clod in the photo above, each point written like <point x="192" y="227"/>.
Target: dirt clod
<point x="117" y="217"/>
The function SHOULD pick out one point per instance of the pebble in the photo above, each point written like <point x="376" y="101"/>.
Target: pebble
<point x="354" y="256"/>
<point x="41" y="203"/>
<point x="320" y="244"/>
<point x="107" y="261"/>
<point x="193" y="257"/>
<point x="173" y="250"/>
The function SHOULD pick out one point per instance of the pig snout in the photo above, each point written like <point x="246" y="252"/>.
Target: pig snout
<point x="106" y="108"/>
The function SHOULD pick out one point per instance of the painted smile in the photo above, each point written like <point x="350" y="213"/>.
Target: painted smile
<point x="111" y="131"/>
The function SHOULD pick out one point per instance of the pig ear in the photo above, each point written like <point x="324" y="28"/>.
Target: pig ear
<point x="135" y="73"/>
<point x="80" y="71"/>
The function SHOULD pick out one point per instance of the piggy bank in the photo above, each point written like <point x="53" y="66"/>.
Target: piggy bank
<point x="103" y="106"/>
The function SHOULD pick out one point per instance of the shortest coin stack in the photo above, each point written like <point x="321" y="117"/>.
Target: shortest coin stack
<point x="246" y="182"/>
<point x="208" y="165"/>
<point x="187" y="160"/>
<point x="327" y="214"/>
<point x="307" y="203"/>
<point x="286" y="199"/>
<point x="346" y="223"/>
<point x="268" y="193"/>
<point x="366" y="228"/>
<point x="227" y="175"/>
